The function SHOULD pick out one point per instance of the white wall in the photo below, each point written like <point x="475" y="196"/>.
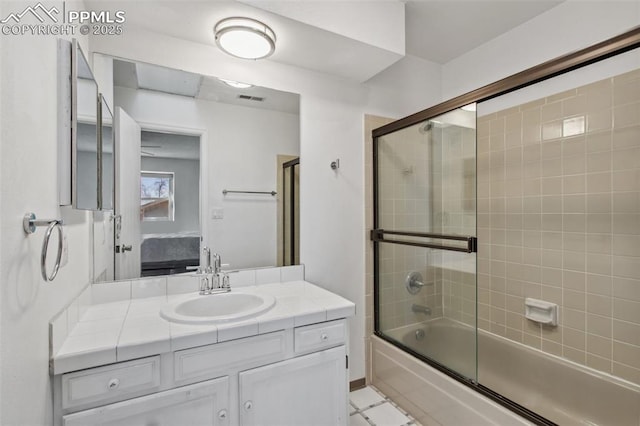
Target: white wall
<point x="242" y="144"/>
<point x="570" y="26"/>
<point x="28" y="171"/>
<point x="372" y="22"/>
<point x="410" y="85"/>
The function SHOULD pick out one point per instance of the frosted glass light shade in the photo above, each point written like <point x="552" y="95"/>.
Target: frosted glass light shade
<point x="245" y="38"/>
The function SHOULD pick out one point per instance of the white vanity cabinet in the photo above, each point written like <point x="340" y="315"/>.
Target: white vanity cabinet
<point x="296" y="376"/>
<point x="308" y="390"/>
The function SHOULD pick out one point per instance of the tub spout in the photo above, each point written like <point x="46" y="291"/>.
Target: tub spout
<point x="420" y="309"/>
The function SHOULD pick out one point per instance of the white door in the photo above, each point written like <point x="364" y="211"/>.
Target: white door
<point x="309" y="390"/>
<point x="127" y="200"/>
<point x="205" y="403"/>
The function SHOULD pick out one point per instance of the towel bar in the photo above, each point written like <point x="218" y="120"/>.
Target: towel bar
<point x="29" y="224"/>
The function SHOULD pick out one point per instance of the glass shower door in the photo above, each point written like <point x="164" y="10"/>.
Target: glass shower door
<point x="425" y="240"/>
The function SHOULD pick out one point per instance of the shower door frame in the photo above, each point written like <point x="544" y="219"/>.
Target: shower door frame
<point x="622" y="43"/>
<point x="293" y="248"/>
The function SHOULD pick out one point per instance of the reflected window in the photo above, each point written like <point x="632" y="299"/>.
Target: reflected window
<point x="156" y="196"/>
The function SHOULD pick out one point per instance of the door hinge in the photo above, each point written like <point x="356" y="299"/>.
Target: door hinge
<point x="347" y="361"/>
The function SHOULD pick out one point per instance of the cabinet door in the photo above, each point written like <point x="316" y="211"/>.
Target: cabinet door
<point x="204" y="403"/>
<point x="309" y="390"/>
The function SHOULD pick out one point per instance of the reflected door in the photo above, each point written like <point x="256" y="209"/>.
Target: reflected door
<point x="127" y="205"/>
<point x="425" y="240"/>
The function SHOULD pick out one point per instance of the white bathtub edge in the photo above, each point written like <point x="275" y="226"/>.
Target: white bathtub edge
<point x="474" y="402"/>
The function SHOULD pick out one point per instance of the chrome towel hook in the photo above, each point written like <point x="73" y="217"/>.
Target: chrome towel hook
<point x="29" y="224"/>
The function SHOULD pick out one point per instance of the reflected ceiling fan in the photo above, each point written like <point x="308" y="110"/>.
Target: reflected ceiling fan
<point x="151" y="154"/>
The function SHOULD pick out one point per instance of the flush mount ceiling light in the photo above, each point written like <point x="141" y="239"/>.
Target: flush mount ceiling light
<point x="236" y="84"/>
<point x="245" y="38"/>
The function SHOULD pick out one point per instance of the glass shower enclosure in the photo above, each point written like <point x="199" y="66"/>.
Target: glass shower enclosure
<point x="425" y="240"/>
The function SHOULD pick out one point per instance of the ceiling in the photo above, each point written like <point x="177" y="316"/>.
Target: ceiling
<point x="440" y="31"/>
<point x="335" y="37"/>
<point x="152" y="77"/>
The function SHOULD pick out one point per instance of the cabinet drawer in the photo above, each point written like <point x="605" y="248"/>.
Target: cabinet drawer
<point x="111" y="382"/>
<point x="216" y="360"/>
<point x="205" y="403"/>
<point x="319" y="336"/>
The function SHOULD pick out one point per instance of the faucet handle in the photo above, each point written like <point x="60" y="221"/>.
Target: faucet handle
<point x="225" y="281"/>
<point x="204" y="285"/>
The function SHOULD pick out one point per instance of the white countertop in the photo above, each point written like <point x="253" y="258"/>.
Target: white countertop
<point x="129" y="329"/>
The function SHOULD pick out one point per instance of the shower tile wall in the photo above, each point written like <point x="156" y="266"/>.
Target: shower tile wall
<point x="559" y="220"/>
<point x="455" y="214"/>
<point x="405" y="203"/>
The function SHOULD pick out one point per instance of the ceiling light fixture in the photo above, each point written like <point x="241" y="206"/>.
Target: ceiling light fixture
<point x="245" y="38"/>
<point x="236" y="84"/>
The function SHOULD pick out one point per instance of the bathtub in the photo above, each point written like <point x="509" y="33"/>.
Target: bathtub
<point x="562" y="391"/>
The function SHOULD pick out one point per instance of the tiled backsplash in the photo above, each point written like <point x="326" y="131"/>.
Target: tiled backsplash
<point x="559" y="220"/>
<point x="63" y="323"/>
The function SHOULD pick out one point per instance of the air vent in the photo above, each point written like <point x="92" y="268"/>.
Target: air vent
<point x="251" y="98"/>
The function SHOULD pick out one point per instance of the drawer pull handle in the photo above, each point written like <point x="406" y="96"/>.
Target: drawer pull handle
<point x="324" y="336"/>
<point x="113" y="384"/>
<point x="222" y="414"/>
<point x="248" y="405"/>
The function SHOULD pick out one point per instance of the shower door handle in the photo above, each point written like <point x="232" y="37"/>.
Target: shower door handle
<point x="378" y="235"/>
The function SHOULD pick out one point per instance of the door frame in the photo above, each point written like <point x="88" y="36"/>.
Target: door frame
<point x="204" y="171"/>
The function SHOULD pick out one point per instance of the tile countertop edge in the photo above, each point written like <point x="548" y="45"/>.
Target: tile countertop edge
<point x="329" y="307"/>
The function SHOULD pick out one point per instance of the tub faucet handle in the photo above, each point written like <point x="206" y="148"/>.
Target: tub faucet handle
<point x="414" y="282"/>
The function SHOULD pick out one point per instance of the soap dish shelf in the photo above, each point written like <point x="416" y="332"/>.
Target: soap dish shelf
<point x="541" y="311"/>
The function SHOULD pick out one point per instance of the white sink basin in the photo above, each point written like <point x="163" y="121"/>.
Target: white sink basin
<point x="217" y="308"/>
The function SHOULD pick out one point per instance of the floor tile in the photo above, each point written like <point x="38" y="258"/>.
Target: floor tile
<point x="365" y="397"/>
<point x="386" y="415"/>
<point x="358" y="420"/>
<point x="352" y="408"/>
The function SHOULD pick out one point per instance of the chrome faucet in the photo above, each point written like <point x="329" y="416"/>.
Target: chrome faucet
<point x="218" y="282"/>
<point x="207" y="252"/>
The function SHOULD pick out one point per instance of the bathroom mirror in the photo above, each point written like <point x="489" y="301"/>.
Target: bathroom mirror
<point x="85" y="155"/>
<point x="235" y="138"/>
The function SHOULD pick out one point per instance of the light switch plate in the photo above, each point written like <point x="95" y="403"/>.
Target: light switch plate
<point x="217" y="213"/>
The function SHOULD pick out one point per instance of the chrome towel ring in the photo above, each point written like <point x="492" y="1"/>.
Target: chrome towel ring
<point x="29" y="224"/>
